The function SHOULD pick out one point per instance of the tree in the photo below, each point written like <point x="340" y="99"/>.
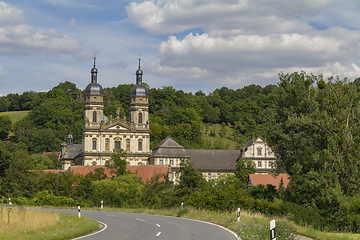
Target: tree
<point x="191" y="180"/>
<point x="5" y="126"/>
<point x="117" y="163"/>
<point x="315" y="134"/>
<point x="243" y="168"/>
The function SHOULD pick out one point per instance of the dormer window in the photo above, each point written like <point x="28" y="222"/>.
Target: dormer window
<point x="259" y="151"/>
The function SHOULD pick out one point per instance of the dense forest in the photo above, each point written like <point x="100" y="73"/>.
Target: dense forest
<point x="174" y="113"/>
<point x="311" y="124"/>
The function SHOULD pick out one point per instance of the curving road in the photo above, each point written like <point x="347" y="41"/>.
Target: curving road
<point x="132" y="226"/>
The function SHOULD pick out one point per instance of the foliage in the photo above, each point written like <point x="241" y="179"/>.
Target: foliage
<point x="243" y="168"/>
<point x="117" y="163"/>
<point x="5" y="126"/>
<point x="191" y="180"/>
<point x="315" y="133"/>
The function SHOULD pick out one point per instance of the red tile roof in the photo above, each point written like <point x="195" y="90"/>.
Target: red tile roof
<point x="264" y="179"/>
<point x="145" y="172"/>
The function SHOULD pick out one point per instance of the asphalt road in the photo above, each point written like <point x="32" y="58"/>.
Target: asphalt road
<point x="131" y="226"/>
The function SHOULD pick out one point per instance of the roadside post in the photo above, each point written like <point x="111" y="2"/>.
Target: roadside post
<point x="182" y="205"/>
<point x="102" y="204"/>
<point x="272" y="230"/>
<point x="238" y="215"/>
<point x="79" y="211"/>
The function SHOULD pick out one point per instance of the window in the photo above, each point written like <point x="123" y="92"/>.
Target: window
<point x="218" y="175"/>
<point x="270" y="164"/>
<point x="140" y="145"/>
<point x="259" y="164"/>
<point x="259" y="151"/>
<point x="107" y="145"/>
<point x="94" y="144"/>
<point x="161" y="162"/>
<point x="171" y="176"/>
<point x="172" y="162"/>
<point x="94" y="116"/>
<point x="127" y="145"/>
<point x="209" y="176"/>
<point x="140" y="117"/>
<point x="94" y="163"/>
<point x="117" y="144"/>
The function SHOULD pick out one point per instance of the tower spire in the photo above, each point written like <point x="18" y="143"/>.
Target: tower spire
<point x="94" y="72"/>
<point x="139" y="74"/>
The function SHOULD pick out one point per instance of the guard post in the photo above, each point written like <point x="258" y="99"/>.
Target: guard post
<point x="272" y="230"/>
<point x="79" y="211"/>
<point x="238" y="215"/>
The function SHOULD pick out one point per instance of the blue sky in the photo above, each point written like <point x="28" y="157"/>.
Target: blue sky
<point x="190" y="45"/>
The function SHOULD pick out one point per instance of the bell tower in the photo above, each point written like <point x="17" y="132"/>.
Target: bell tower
<point x="139" y="103"/>
<point x="93" y="105"/>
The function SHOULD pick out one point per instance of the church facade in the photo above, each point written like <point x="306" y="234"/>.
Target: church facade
<point x="102" y="137"/>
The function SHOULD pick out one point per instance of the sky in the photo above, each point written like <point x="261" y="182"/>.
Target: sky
<point x="191" y="45"/>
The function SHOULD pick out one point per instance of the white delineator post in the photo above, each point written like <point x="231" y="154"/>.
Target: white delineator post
<point x="102" y="204"/>
<point x="272" y="230"/>
<point x="79" y="211"/>
<point x="10" y="203"/>
<point x="182" y="205"/>
<point x="238" y="215"/>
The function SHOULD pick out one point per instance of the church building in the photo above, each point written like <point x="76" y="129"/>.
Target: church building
<point x="101" y="137"/>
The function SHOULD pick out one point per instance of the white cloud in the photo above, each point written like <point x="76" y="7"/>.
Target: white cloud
<point x="246" y="42"/>
<point x="245" y="58"/>
<point x="225" y="17"/>
<point x="16" y="37"/>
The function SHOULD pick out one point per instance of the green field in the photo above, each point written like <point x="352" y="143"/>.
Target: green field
<point x="226" y="139"/>
<point x="15" y="115"/>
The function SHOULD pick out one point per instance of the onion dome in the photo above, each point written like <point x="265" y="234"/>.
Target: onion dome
<point x="94" y="87"/>
<point x="139" y="89"/>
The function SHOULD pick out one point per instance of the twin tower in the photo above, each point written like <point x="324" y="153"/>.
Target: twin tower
<point x="102" y="137"/>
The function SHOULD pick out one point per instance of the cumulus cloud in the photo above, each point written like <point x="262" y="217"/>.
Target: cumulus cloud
<point x="245" y="42"/>
<point x="16" y="37"/>
<point x="223" y="17"/>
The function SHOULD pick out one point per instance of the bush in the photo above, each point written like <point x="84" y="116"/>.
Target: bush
<point x="47" y="197"/>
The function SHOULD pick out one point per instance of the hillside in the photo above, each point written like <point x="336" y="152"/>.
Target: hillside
<point x="15" y="115"/>
<point x="211" y="133"/>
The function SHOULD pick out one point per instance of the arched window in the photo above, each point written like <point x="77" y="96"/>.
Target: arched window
<point x="94" y="116"/>
<point x="140" y="117"/>
<point x="107" y="145"/>
<point x="140" y="145"/>
<point x="117" y="144"/>
<point x="127" y="145"/>
<point x="94" y="144"/>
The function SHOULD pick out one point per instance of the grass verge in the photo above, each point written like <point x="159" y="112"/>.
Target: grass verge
<point x="32" y="224"/>
<point x="254" y="226"/>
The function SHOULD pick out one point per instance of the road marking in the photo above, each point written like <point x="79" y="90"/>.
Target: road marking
<point x="158" y="225"/>
<point x="140" y="219"/>
<point x="105" y="226"/>
<point x="158" y="234"/>
<point x="111" y="215"/>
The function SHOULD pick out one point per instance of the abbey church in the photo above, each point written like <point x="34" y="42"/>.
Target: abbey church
<point x="102" y="137"/>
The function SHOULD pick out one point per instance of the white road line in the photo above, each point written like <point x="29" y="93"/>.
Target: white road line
<point x="158" y="225"/>
<point x="105" y="226"/>
<point x="140" y="219"/>
<point x="158" y="234"/>
<point x="111" y="215"/>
